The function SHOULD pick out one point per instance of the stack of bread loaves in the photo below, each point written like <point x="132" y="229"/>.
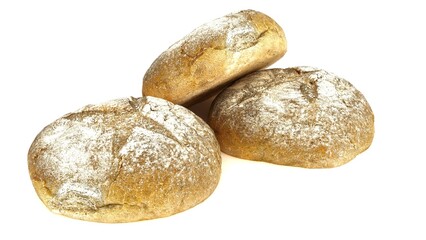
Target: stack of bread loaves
<point x="143" y="158"/>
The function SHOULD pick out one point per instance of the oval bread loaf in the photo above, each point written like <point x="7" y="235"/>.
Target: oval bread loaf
<point x="301" y="116"/>
<point x="125" y="160"/>
<point x="213" y="55"/>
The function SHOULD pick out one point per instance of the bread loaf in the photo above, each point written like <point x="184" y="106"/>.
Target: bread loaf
<point x="301" y="116"/>
<point x="213" y="55"/>
<point x="125" y="160"/>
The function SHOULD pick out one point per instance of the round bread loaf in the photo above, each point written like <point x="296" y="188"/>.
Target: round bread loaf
<point x="213" y="55"/>
<point x="301" y="116"/>
<point x="125" y="160"/>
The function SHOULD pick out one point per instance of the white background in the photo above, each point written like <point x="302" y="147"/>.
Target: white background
<point x="58" y="56"/>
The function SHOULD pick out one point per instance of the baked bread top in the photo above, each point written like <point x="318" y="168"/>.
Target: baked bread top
<point x="213" y="55"/>
<point x="125" y="160"/>
<point x="300" y="116"/>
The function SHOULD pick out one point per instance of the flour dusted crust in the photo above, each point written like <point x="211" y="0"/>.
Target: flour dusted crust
<point x="125" y="160"/>
<point x="213" y="55"/>
<point x="300" y="116"/>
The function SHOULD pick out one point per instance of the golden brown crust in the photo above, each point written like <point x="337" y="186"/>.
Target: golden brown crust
<point x="213" y="55"/>
<point x="300" y="116"/>
<point x="125" y="160"/>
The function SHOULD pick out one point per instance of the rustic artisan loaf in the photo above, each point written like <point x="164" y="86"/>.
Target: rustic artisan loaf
<point x="213" y="55"/>
<point x="300" y="116"/>
<point x="125" y="160"/>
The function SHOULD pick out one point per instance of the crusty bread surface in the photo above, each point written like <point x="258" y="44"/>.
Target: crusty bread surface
<point x="300" y="116"/>
<point x="125" y="160"/>
<point x="213" y="55"/>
